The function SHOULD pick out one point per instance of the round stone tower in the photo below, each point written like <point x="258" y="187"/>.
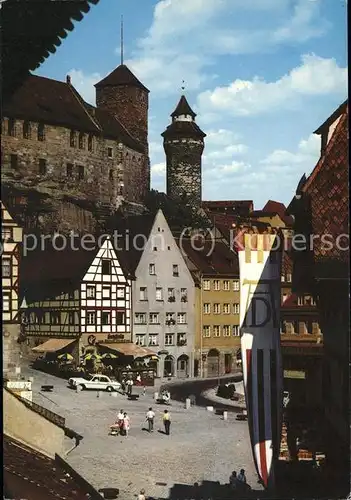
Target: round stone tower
<point x="183" y="142"/>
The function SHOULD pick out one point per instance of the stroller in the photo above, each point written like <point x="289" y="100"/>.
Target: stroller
<point x="116" y="429"/>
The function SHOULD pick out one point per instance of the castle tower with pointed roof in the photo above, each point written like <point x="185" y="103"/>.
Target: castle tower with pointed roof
<point x="183" y="142"/>
<point x="125" y="97"/>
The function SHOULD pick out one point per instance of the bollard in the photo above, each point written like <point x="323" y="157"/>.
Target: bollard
<point x="156" y="396"/>
<point x="209" y="408"/>
<point x="98" y="394"/>
<point x="225" y="415"/>
<point x="187" y="403"/>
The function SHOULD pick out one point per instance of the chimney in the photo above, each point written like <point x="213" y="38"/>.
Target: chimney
<point x="68" y="79"/>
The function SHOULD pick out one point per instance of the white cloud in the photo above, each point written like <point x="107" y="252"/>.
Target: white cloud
<point x="158" y="169"/>
<point x="315" y="76"/>
<point x="84" y="84"/>
<point x="186" y="37"/>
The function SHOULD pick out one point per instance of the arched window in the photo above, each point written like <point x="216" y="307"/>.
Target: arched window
<point x="72" y="139"/>
<point x="11" y="127"/>
<point x="26" y="130"/>
<point x="41" y="132"/>
<point x="90" y="142"/>
<point x="81" y="141"/>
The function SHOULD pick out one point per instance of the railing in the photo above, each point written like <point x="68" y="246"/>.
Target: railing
<point x="44" y="412"/>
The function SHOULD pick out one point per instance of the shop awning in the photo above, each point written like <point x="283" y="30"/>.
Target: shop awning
<point x="130" y="349"/>
<point x="53" y="345"/>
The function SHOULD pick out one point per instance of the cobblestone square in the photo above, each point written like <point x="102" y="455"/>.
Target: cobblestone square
<point x="201" y="447"/>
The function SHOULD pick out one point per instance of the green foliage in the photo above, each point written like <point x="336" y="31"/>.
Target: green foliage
<point x="179" y="214"/>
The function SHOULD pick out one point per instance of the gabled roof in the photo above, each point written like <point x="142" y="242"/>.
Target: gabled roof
<point x="331" y="119"/>
<point x="42" y="99"/>
<point x="211" y="258"/>
<point x="183" y="108"/>
<point x="132" y="232"/>
<point x="183" y="129"/>
<point x="119" y="77"/>
<point x="34" y="476"/>
<point x="280" y="209"/>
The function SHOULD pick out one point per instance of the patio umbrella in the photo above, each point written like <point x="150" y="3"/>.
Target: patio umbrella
<point x="95" y="357"/>
<point x="65" y="357"/>
<point x="109" y="355"/>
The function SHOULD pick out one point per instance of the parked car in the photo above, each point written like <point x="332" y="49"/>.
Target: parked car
<point x="97" y="382"/>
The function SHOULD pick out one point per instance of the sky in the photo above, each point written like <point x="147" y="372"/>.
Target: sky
<point x="261" y="75"/>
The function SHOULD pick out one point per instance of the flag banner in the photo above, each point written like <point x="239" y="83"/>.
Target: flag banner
<point x="260" y="261"/>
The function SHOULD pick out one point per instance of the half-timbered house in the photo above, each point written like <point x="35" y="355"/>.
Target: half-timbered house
<point x="76" y="295"/>
<point x="11" y="236"/>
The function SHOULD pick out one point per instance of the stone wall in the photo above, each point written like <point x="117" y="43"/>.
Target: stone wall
<point x="184" y="169"/>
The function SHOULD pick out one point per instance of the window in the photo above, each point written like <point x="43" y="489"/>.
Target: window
<point x="217" y="330"/>
<point x="106" y="292"/>
<point x="181" y="318"/>
<point x="143" y="293"/>
<point x="140" y="318"/>
<point x="236" y="285"/>
<point x="72" y="139"/>
<point x="106" y="318"/>
<point x="236" y="308"/>
<point x="110" y="152"/>
<point x="226" y="285"/>
<point x="152" y="269"/>
<point x="110" y="175"/>
<point x="55" y="317"/>
<point x="42" y="166"/>
<point x="106" y="266"/>
<point x="6" y="302"/>
<point x="91" y="291"/>
<point x="11" y="127"/>
<point x="169" y="339"/>
<point x="216" y="285"/>
<point x="26" y="130"/>
<point x="288" y="277"/>
<point x="226" y="331"/>
<point x="300" y="301"/>
<point x="81" y="141"/>
<point x="206" y="285"/>
<point x="80" y="172"/>
<point x="6" y="233"/>
<point x="6" y="267"/>
<point x="91" y="318"/>
<point x="153" y="339"/>
<point x="71" y="318"/>
<point x="282" y="278"/>
<point x="206" y="331"/>
<point x="226" y="308"/>
<point x="140" y="339"/>
<point x="159" y="294"/>
<point x="71" y="294"/>
<point x="121" y="292"/>
<point x="207" y="308"/>
<point x="41" y="317"/>
<point x="236" y="331"/>
<point x="170" y="319"/>
<point x="154" y="320"/>
<point x="175" y="270"/>
<point x="14" y="162"/>
<point x="216" y="308"/>
<point x="120" y="318"/>
<point x="90" y="142"/>
<point x="309" y="301"/>
<point x="41" y="132"/>
<point x="184" y="294"/>
<point x="69" y="169"/>
<point x="171" y="295"/>
<point x="181" y="339"/>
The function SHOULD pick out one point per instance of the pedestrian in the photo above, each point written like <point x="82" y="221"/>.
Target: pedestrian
<point x="233" y="480"/>
<point x="241" y="476"/>
<point x="123" y="385"/>
<point x="150" y="419"/>
<point x="141" y="495"/>
<point x="138" y="379"/>
<point x="129" y="386"/>
<point x="126" y="424"/>
<point x="167" y="422"/>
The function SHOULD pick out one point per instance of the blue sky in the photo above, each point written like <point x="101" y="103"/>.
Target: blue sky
<point x="262" y="75"/>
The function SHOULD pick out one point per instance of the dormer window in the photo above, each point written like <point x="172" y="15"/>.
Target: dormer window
<point x="11" y="127"/>
<point x="26" y="130"/>
<point x="81" y="141"/>
<point x="41" y="132"/>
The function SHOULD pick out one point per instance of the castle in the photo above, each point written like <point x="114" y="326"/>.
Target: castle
<point x="68" y="165"/>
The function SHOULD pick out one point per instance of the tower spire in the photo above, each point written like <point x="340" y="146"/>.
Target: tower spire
<point x="122" y="40"/>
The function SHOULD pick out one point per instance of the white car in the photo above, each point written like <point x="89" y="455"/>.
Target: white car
<point x="97" y="382"/>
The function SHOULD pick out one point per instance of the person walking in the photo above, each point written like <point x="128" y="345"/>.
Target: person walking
<point x="150" y="419"/>
<point x="233" y="481"/>
<point x="126" y="424"/>
<point x="167" y="422"/>
<point x="141" y="495"/>
<point x="129" y="387"/>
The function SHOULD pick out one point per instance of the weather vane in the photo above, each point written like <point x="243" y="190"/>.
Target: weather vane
<point x="183" y="85"/>
<point x="122" y="40"/>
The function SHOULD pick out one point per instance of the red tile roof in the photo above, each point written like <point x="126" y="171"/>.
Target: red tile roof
<point x="120" y="76"/>
<point x="280" y="209"/>
<point x="31" y="475"/>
